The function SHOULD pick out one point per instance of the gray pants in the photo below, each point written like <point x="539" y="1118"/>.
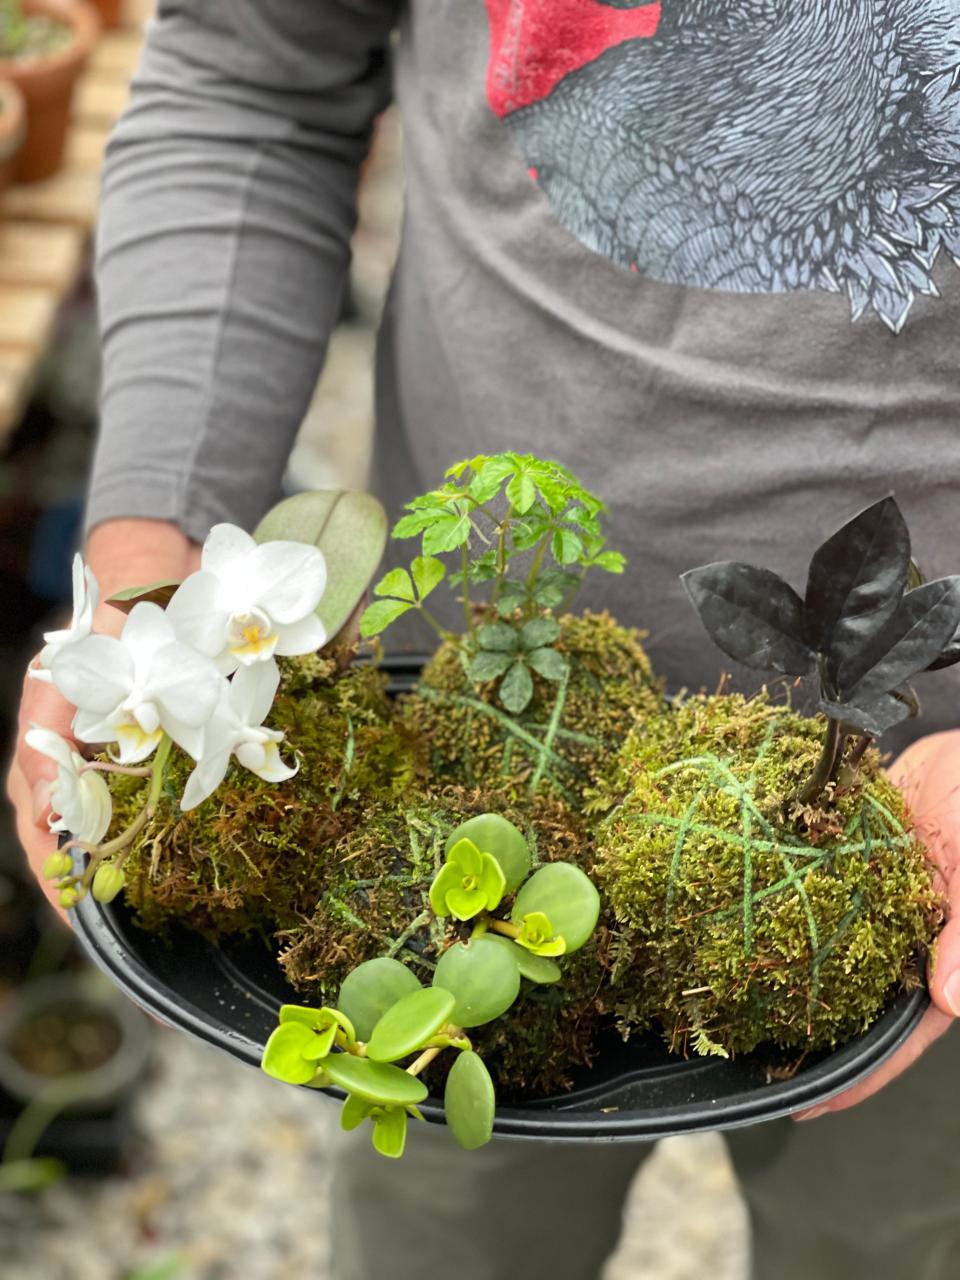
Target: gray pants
<point x="872" y="1193"/>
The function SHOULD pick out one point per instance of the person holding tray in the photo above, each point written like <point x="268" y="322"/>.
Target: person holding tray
<point x="704" y="254"/>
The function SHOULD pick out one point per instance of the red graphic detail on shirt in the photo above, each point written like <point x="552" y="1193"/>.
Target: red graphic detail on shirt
<point x="535" y="43"/>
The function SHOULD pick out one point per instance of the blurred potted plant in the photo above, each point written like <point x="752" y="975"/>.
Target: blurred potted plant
<point x="13" y="127"/>
<point x="44" y="45"/>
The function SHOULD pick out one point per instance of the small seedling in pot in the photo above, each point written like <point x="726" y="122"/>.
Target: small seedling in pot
<point x="865" y="627"/>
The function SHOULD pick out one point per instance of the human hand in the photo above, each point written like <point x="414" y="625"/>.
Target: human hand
<point x="928" y="773"/>
<point x="122" y="553"/>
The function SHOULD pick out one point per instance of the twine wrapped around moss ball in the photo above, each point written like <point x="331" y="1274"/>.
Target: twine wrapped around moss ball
<point x="742" y="919"/>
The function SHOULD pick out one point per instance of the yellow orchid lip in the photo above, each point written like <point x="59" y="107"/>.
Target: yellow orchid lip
<point x="132" y="737"/>
<point x="251" y="637"/>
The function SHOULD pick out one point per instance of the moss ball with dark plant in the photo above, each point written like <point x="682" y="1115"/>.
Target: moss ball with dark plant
<point x="744" y="920"/>
<point x="563" y="739"/>
<point x="257" y="855"/>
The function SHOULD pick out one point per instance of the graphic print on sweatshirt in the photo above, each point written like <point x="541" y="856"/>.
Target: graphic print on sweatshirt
<point x="756" y="146"/>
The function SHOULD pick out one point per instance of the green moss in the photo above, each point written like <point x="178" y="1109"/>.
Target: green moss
<point x="566" y="735"/>
<point x="256" y="856"/>
<point x="740" y="922"/>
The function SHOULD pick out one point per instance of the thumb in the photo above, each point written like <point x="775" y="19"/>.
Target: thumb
<point x="944" y="973"/>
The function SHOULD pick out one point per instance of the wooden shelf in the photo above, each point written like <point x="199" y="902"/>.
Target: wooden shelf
<point x="45" y="227"/>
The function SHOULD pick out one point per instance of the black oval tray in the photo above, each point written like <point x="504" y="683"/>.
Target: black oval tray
<point x="228" y="996"/>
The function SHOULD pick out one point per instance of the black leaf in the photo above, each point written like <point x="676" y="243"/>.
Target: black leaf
<point x="874" y="717"/>
<point x="752" y="615"/>
<point x="856" y="581"/>
<point x="916" y="635"/>
<point x="948" y="657"/>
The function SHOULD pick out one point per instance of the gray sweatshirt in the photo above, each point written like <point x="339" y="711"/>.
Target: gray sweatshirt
<point x="702" y="251"/>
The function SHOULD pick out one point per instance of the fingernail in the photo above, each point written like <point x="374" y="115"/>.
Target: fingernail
<point x="812" y="1113"/>
<point x="951" y="993"/>
<point x="41" y="800"/>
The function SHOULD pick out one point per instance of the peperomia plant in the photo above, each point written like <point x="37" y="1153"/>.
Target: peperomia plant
<point x="491" y="510"/>
<point x="384" y="1016"/>
<point x="865" y="627"/>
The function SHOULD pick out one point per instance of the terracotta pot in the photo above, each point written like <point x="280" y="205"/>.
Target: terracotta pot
<point x="47" y="82"/>
<point x="110" y="12"/>
<point x="13" y="128"/>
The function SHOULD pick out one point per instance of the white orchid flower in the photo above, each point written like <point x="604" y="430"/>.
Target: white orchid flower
<point x="132" y="690"/>
<point x="236" y="729"/>
<point x="86" y="597"/>
<point x="249" y="601"/>
<point x="79" y="797"/>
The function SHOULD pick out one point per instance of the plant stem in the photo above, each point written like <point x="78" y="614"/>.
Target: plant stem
<point x="813" y="787"/>
<point x="128" y="770"/>
<point x="465" y="583"/>
<point x="859" y="750"/>
<point x="540" y="552"/>
<point x="126" y="838"/>
<point x="424" y="1060"/>
<point x="506" y="928"/>
<point x="428" y="617"/>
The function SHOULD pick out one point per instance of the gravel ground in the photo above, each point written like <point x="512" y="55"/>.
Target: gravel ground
<point x="233" y="1183"/>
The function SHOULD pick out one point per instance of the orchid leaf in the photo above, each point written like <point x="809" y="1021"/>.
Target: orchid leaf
<point x="469" y="1101"/>
<point x="350" y="528"/>
<point x="376" y="1082"/>
<point x="482" y="977"/>
<point x="371" y="989"/>
<point x="856" y="581"/>
<point x="752" y="615"/>
<point x="159" y="593"/>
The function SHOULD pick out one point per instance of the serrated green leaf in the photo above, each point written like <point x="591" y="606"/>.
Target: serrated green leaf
<point x="469" y="1101"/>
<point x="482" y="977"/>
<point x="610" y="561"/>
<point x="568" y="898"/>
<point x="428" y="572"/>
<point x="516" y="688"/>
<point x="397" y="584"/>
<point x="410" y="526"/>
<point x="566" y="546"/>
<point x="548" y="663"/>
<point x="521" y="493"/>
<point x="407" y="1025"/>
<point x="487" y="666"/>
<point x="527" y="533"/>
<point x="553" y="586"/>
<point x="513" y="596"/>
<point x="379" y="615"/>
<point x="538" y="632"/>
<point x="377" y="1082"/>
<point x="486" y="483"/>
<point x="499" y="636"/>
<point x="371" y="989"/>
<point x="447" y="533"/>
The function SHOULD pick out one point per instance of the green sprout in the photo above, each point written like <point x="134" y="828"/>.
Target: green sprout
<point x="491" y="510"/>
<point x="468" y="882"/>
<point x="385" y="1017"/>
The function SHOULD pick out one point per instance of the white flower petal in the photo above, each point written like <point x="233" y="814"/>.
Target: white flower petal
<point x="251" y="755"/>
<point x="146" y="630"/>
<point x="183" y="683"/>
<point x="206" y="777"/>
<point x="252" y="691"/>
<point x="225" y="549"/>
<point x="91" y="726"/>
<point x="95" y="674"/>
<point x="306" y="636"/>
<point x="50" y="744"/>
<point x="195" y="619"/>
<point x="189" y="737"/>
<point x="147" y="716"/>
<point x="287" y="579"/>
<point x="272" y="768"/>
<point x="95" y="807"/>
<point x="41" y="674"/>
<point x="134" y="745"/>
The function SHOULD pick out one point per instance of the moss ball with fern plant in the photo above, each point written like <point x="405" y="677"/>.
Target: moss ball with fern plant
<point x="746" y="918"/>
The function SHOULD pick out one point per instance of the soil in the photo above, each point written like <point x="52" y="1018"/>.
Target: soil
<point x="63" y="1040"/>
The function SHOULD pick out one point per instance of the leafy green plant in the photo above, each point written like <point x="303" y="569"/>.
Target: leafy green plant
<point x="866" y="626"/>
<point x="489" y="511"/>
<point x="384" y="1015"/>
<point x="23" y="35"/>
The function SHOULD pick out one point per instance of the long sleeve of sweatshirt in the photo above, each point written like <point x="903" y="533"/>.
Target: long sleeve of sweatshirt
<point x="223" y="246"/>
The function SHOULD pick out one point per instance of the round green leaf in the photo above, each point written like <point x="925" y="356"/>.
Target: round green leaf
<point x="516" y="688"/>
<point x="498" y="635"/>
<point x="378" y="616"/>
<point x="538" y="632"/>
<point x="493" y="834"/>
<point x="548" y="663"/>
<point x="537" y="969"/>
<point x="375" y="1081"/>
<point x="489" y="664"/>
<point x="283" y="1054"/>
<point x="318" y="1019"/>
<point x="566" y="896"/>
<point x="397" y="584"/>
<point x="469" y="1101"/>
<point x="390" y="1132"/>
<point x="354" y="1111"/>
<point x="407" y="1025"/>
<point x="371" y="989"/>
<point x="482" y="977"/>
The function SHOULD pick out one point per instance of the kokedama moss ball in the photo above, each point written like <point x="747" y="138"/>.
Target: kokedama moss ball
<point x="565" y="736"/>
<point x="742" y="924"/>
<point x="257" y="855"/>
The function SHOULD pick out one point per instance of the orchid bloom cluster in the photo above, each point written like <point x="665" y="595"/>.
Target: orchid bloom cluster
<point x="200" y="675"/>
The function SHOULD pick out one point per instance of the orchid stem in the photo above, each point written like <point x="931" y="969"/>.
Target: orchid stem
<point x="126" y="838"/>
<point x="130" y="771"/>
